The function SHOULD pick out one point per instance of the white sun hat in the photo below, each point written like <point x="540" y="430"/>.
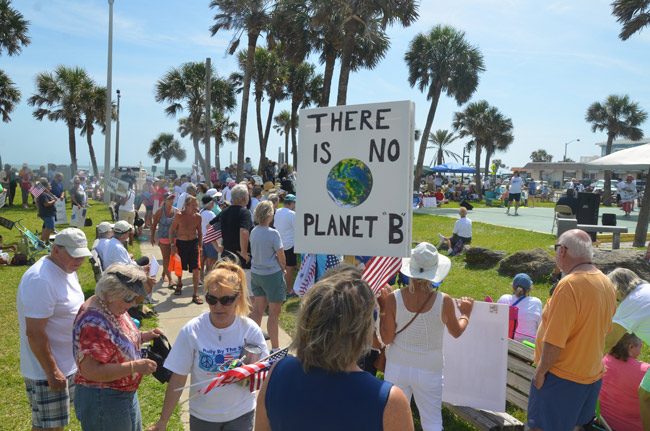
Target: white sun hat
<point x="426" y="263"/>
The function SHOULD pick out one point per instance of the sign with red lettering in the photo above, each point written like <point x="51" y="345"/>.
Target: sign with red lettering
<point x="355" y="180"/>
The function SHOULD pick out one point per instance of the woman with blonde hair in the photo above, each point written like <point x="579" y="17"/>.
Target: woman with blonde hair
<point x="412" y="321"/>
<point x="328" y="391"/>
<point x="206" y="345"/>
<point x="107" y="350"/>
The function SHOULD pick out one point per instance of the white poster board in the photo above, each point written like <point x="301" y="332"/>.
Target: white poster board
<point x="356" y="180"/>
<point x="78" y="217"/>
<point x="476" y="363"/>
<point x="61" y="212"/>
<point x="3" y="198"/>
<point x="117" y="186"/>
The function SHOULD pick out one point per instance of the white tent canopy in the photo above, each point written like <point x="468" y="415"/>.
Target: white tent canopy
<point x="633" y="159"/>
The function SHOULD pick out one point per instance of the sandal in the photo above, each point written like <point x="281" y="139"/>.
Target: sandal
<point x="179" y="290"/>
<point x="197" y="300"/>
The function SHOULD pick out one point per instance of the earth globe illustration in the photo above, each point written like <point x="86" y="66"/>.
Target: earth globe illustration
<point x="349" y="183"/>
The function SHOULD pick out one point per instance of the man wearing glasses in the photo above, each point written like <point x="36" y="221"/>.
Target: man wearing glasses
<point x="49" y="296"/>
<point x="571" y="339"/>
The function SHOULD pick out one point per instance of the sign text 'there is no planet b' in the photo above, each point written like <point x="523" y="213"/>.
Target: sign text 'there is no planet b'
<point x="355" y="167"/>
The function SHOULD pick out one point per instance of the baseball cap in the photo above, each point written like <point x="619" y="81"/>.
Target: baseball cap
<point x="522" y="280"/>
<point x="290" y="198"/>
<point x="74" y="241"/>
<point x="213" y="193"/>
<point x="104" y="227"/>
<point x="122" y="226"/>
<point x="205" y="200"/>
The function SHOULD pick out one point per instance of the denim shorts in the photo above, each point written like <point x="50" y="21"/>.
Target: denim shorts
<point x="562" y="404"/>
<point x="210" y="252"/>
<point x="107" y="409"/>
<point x="48" y="222"/>
<point x="272" y="286"/>
<point x="50" y="409"/>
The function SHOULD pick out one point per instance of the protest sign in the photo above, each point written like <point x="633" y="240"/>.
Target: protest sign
<point x="61" y="213"/>
<point x="3" y="198"/>
<point x="118" y="187"/>
<point x="356" y="182"/>
<point x="78" y="217"/>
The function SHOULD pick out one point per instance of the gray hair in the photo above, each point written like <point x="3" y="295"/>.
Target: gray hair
<point x="625" y="281"/>
<point x="273" y="197"/>
<point x="578" y="244"/>
<point x="263" y="211"/>
<point x="239" y="194"/>
<point x="109" y="287"/>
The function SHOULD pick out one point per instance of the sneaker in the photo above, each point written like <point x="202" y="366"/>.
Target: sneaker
<point x="442" y="237"/>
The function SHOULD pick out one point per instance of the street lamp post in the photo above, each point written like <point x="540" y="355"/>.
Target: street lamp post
<point x="565" y="145"/>
<point x="117" y="136"/>
<point x="109" y="105"/>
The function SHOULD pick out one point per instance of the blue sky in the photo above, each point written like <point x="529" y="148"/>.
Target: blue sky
<point x="546" y="62"/>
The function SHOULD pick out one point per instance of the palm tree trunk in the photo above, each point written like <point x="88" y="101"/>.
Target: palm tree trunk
<point x="641" y="231"/>
<point x="258" y="119"/>
<point x="425" y="136"/>
<point x="439" y="159"/>
<point x="346" y="60"/>
<point x="488" y="155"/>
<point x="286" y="146"/>
<point x="217" y="149"/>
<point x="267" y="130"/>
<point x="294" y="145"/>
<point x="330" y="62"/>
<point x="607" y="189"/>
<point x="166" y="167"/>
<point x="72" y="147"/>
<point x="250" y="59"/>
<point x="477" y="160"/>
<point x="91" y="150"/>
<point x="197" y="152"/>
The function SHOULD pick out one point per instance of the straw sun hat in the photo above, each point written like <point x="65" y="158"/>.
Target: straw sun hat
<point x="426" y="263"/>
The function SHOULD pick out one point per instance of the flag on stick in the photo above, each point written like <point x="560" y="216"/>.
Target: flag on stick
<point x="37" y="190"/>
<point x="212" y="233"/>
<point x="306" y="275"/>
<point x="379" y="270"/>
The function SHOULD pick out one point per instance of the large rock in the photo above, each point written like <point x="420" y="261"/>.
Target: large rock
<point x="634" y="260"/>
<point x="479" y="257"/>
<point x="537" y="263"/>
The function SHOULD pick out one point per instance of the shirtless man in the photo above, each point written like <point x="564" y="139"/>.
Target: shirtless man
<point x="185" y="235"/>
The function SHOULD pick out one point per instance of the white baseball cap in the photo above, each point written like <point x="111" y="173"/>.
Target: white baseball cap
<point x="74" y="241"/>
<point x="122" y="226"/>
<point x="104" y="227"/>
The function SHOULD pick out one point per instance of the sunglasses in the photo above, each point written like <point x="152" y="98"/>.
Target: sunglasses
<point x="557" y="246"/>
<point x="223" y="300"/>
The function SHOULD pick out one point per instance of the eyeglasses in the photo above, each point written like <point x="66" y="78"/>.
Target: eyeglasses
<point x="223" y="300"/>
<point x="129" y="299"/>
<point x="559" y="246"/>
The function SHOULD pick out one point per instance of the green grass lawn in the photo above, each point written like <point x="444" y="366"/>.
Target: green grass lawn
<point x="14" y="410"/>
<point x="462" y="281"/>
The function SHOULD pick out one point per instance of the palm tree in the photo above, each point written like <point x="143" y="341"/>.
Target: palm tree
<point x="166" y="147"/>
<point x="440" y="139"/>
<point x="9" y="96"/>
<point x="305" y="88"/>
<point x="283" y="127"/>
<point x="93" y="111"/>
<point x="357" y="17"/>
<point x="619" y="117"/>
<point x="541" y="156"/>
<point x="442" y="60"/>
<point x="60" y="96"/>
<point x="489" y="129"/>
<point x="633" y="14"/>
<point x="252" y="17"/>
<point x="13" y="36"/>
<point x="223" y="130"/>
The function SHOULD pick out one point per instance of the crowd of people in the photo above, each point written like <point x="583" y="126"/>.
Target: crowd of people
<point x="89" y="351"/>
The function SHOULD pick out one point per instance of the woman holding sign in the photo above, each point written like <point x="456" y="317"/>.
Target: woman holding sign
<point x="412" y="321"/>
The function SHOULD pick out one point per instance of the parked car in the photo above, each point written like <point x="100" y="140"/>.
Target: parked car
<point x="599" y="185"/>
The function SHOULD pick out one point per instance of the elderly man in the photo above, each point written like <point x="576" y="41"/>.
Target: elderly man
<point x="571" y="340"/>
<point x="284" y="221"/>
<point x="185" y="237"/>
<point x="461" y="235"/>
<point x="104" y="235"/>
<point x="48" y="299"/>
<point x="114" y="250"/>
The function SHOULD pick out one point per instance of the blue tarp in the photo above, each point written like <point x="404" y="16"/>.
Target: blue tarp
<point x="452" y="167"/>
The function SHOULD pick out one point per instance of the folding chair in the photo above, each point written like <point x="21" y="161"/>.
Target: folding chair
<point x="561" y="211"/>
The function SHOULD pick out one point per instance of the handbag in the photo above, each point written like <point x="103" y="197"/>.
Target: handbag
<point x="380" y="362"/>
<point x="158" y="352"/>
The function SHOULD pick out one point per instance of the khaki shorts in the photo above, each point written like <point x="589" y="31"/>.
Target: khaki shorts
<point x="128" y="216"/>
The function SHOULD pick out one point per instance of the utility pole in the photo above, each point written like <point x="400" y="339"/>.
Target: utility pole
<point x="117" y="137"/>
<point x="109" y="105"/>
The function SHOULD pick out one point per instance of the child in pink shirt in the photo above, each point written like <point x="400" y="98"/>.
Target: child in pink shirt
<point x="619" y="398"/>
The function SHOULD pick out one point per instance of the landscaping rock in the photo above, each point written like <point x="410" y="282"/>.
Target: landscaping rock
<point x="632" y="259"/>
<point x="537" y="263"/>
<point x="479" y="257"/>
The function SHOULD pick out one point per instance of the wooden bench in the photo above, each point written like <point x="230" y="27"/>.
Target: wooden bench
<point x="614" y="230"/>
<point x="520" y="375"/>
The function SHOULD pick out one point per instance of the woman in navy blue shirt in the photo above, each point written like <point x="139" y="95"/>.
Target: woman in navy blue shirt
<point x="328" y="391"/>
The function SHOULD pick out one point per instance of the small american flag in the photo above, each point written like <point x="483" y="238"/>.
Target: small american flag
<point x="379" y="270"/>
<point x="37" y="190"/>
<point x="306" y="276"/>
<point x="332" y="262"/>
<point x="212" y="233"/>
<point x="258" y="370"/>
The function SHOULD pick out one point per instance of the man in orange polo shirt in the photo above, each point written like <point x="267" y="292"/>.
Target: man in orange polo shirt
<point x="571" y="339"/>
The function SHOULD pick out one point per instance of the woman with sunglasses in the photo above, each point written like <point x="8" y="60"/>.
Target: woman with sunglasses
<point x="107" y="350"/>
<point x="205" y="346"/>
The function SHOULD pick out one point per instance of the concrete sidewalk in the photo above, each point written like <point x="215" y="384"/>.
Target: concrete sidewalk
<point x="175" y="311"/>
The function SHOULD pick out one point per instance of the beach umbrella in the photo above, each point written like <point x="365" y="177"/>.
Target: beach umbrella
<point x="453" y="167"/>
